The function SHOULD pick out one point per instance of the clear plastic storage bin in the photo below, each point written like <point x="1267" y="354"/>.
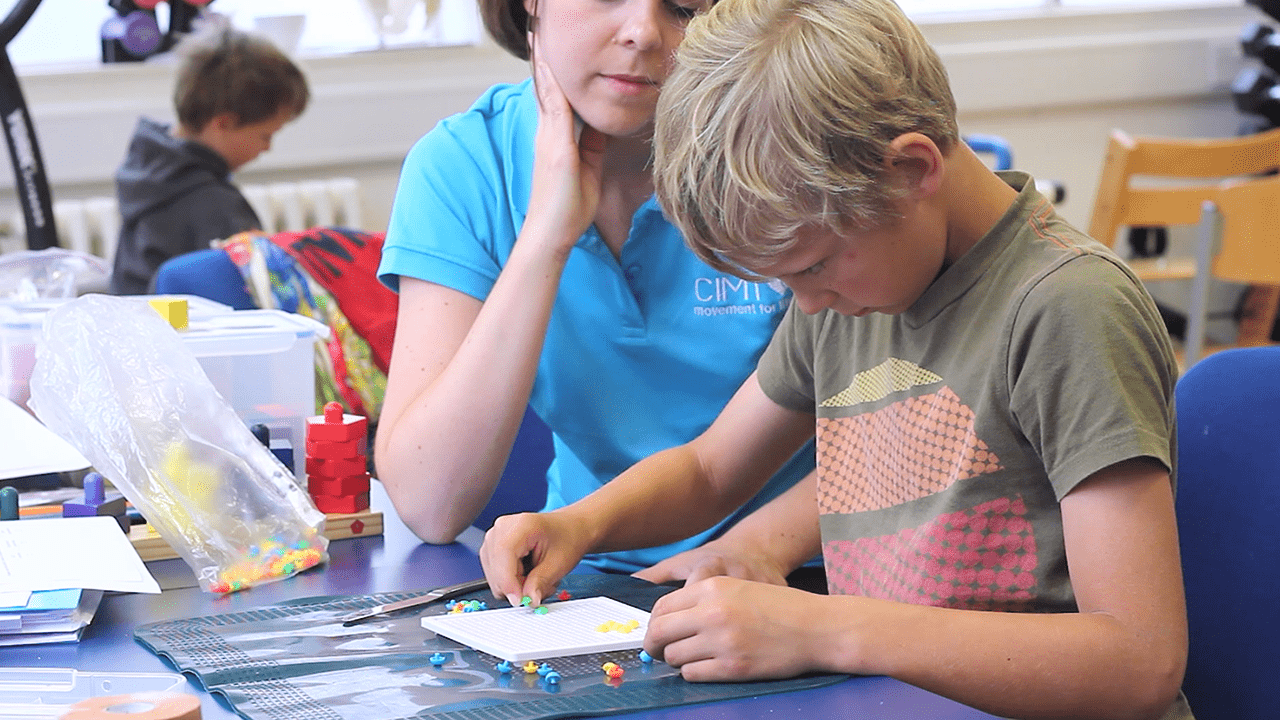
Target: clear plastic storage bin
<point x="27" y="693"/>
<point x="20" y="323"/>
<point x="261" y="361"/>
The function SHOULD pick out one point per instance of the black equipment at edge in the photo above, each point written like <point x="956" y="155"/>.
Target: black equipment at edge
<point x="30" y="183"/>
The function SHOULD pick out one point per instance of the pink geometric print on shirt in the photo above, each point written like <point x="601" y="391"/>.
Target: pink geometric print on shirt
<point x="911" y="449"/>
<point x="978" y="559"/>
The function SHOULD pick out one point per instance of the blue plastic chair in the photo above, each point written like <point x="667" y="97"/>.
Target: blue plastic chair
<point x="523" y="486"/>
<point x="993" y="145"/>
<point x="1228" y="507"/>
<point x="207" y="274"/>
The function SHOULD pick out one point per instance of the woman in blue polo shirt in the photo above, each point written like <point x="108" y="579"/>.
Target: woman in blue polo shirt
<point x="535" y="268"/>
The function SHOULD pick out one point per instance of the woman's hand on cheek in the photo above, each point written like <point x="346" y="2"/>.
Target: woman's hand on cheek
<point x="568" y="163"/>
<point x="730" y="630"/>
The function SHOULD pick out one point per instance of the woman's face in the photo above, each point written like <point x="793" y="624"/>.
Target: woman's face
<point x="611" y="56"/>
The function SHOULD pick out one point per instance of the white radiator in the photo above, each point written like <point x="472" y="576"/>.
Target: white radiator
<point x="92" y="225"/>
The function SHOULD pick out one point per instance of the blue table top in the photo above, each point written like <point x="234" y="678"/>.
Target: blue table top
<point x="397" y="561"/>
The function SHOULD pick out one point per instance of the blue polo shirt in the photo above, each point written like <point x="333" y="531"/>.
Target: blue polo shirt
<point x="642" y="351"/>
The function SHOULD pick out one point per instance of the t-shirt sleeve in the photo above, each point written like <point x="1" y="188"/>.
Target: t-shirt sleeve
<point x="1091" y="372"/>
<point x="785" y="370"/>
<point x="442" y="219"/>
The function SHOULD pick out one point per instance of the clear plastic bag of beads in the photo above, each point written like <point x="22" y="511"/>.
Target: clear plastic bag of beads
<point x="116" y="381"/>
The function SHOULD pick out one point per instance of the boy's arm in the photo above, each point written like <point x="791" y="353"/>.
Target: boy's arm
<point x="1122" y="655"/>
<point x="666" y="497"/>
<point x="765" y="546"/>
<point x="190" y="223"/>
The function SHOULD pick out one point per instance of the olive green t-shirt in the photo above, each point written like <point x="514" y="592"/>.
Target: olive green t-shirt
<point x="947" y="435"/>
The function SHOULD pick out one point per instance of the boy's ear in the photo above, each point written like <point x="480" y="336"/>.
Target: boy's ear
<point x="225" y="121"/>
<point x="915" y="164"/>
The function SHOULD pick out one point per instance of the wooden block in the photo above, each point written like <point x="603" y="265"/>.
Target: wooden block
<point x="337" y="526"/>
<point x="173" y="310"/>
<point x="336" y="426"/>
<point x="336" y="468"/>
<point x="319" y="485"/>
<point x="321" y="450"/>
<point x="341" y="503"/>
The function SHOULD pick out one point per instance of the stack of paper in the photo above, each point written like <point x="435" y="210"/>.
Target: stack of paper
<point x="53" y="572"/>
<point x="46" y="616"/>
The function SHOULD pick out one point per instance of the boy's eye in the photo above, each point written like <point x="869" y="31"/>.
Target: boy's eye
<point x="813" y="269"/>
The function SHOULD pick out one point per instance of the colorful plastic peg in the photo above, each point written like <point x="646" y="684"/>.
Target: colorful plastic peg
<point x="8" y="503"/>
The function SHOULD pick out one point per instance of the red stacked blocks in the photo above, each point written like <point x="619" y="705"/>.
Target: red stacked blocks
<point x="337" y="469"/>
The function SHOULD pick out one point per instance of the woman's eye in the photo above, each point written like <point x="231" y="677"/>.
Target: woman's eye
<point x="684" y="12"/>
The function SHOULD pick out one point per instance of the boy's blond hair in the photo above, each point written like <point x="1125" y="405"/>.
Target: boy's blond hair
<point x="779" y="115"/>
<point x="223" y="69"/>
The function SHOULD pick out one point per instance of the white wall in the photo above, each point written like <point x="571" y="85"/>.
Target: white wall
<point x="1053" y="84"/>
<point x="366" y="110"/>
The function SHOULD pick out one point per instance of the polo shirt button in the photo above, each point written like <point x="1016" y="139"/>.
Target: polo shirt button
<point x="633" y="271"/>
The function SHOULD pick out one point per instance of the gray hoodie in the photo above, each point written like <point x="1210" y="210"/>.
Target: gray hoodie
<point x="175" y="196"/>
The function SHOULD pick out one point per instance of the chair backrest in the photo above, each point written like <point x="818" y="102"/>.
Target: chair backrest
<point x="1228" y="505"/>
<point x="993" y="145"/>
<point x="207" y="273"/>
<point x="1250" y="238"/>
<point x="1120" y="202"/>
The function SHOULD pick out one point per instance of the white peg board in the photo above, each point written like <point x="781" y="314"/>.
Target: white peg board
<point x="569" y="627"/>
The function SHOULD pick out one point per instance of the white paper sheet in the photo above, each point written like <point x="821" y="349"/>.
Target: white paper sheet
<point x="27" y="447"/>
<point x="571" y="627"/>
<point x="77" y="552"/>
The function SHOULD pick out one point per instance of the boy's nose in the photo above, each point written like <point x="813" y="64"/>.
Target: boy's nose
<point x="812" y="301"/>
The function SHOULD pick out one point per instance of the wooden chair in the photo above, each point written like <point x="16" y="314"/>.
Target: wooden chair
<point x="1239" y="237"/>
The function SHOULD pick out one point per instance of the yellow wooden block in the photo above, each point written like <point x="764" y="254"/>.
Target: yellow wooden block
<point x="173" y="310"/>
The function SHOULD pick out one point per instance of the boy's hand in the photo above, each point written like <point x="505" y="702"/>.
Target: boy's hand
<point x="729" y="630"/>
<point x="714" y="559"/>
<point x="525" y="555"/>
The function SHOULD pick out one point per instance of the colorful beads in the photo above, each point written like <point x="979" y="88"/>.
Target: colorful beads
<point x="466" y="606"/>
<point x="272" y="559"/>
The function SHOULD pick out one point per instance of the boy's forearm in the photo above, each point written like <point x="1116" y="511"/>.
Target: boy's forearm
<point x="1079" y="665"/>
<point x="686" y="489"/>
<point x="663" y="498"/>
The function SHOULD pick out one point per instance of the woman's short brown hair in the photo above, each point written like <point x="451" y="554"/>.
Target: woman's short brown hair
<point x="507" y="22"/>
